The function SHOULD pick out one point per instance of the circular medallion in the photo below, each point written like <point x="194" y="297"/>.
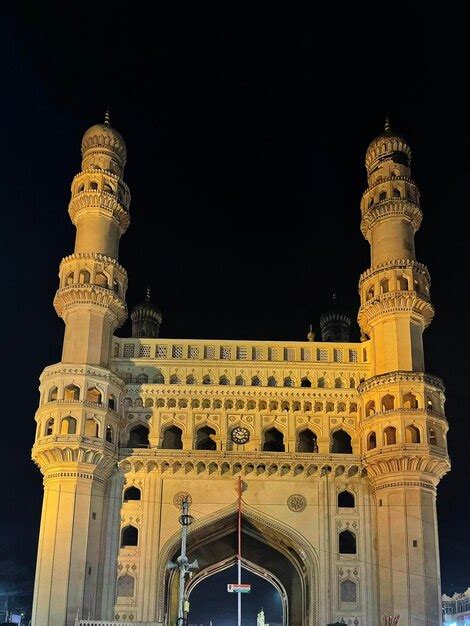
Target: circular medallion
<point x="240" y="435"/>
<point x="179" y="497"/>
<point x="296" y="503"/>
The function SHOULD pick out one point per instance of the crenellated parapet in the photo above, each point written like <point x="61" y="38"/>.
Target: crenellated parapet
<point x="105" y="299"/>
<point x="99" y="203"/>
<point x="388" y="209"/>
<point x="397" y="302"/>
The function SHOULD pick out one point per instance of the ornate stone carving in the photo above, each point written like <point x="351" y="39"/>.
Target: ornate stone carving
<point x="296" y="503"/>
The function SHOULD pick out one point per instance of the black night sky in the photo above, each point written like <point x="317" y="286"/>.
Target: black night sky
<point x="246" y="132"/>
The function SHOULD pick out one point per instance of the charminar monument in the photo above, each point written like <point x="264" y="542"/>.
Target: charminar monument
<point x="340" y="445"/>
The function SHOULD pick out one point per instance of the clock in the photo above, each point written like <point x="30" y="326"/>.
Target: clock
<point x="240" y="435"/>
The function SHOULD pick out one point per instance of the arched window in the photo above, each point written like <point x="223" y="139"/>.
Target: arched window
<point x="371" y="203"/>
<point x="84" y="277"/>
<point x="93" y="394"/>
<point x="273" y="441"/>
<point x="341" y="442"/>
<point x="371" y="441"/>
<point x="382" y="196"/>
<point x="402" y="283"/>
<point x="68" y="426"/>
<point x="131" y="493"/>
<point x="49" y="427"/>
<point x="321" y="382"/>
<point x="159" y="379"/>
<point x="174" y="380"/>
<point x="72" y="392"/>
<point x="272" y="382"/>
<point x="262" y="405"/>
<point x="109" y="434"/>
<point x="432" y="437"/>
<point x="338" y="383"/>
<point x="172" y="438"/>
<point x="129" y="537"/>
<point x="390" y="436"/>
<point x="94" y="185"/>
<point x="125" y="586"/>
<point x="69" y="279"/>
<point x="116" y="286"/>
<point x="384" y="285"/>
<point x="410" y="401"/>
<point x="388" y="402"/>
<point x="348" y="591"/>
<point x="396" y="193"/>
<point x="81" y="188"/>
<point x="288" y="382"/>
<point x="412" y="434"/>
<point x="370" y="293"/>
<point x="142" y="379"/>
<point x="111" y="402"/>
<point x="107" y="188"/>
<point x="347" y="542"/>
<point x="352" y="383"/>
<point x="204" y="439"/>
<point x="305" y="382"/>
<point x="53" y="394"/>
<point x="370" y="408"/>
<point x="307" y="441"/>
<point x="346" y="500"/>
<point x="223" y="380"/>
<point x="207" y="380"/>
<point x="239" y="380"/>
<point x="101" y="279"/>
<point x="190" y="380"/>
<point x="139" y="437"/>
<point x="284" y="406"/>
<point x="255" y="381"/>
<point x="91" y="428"/>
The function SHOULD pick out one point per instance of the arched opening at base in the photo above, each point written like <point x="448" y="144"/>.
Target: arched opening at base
<point x="270" y="549"/>
<point x="210" y="601"/>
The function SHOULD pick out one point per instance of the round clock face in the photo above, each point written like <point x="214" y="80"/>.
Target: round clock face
<point x="240" y="435"/>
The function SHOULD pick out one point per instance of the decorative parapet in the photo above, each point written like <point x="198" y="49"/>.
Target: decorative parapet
<point x="395" y="302"/>
<point x="391" y="208"/>
<point x="401" y="376"/>
<point x="52" y="455"/>
<point x="74" y="295"/>
<point x="61" y="369"/>
<point x="420" y="268"/>
<point x="99" y="200"/>
<point x="400" y="458"/>
<point x="228" y="464"/>
<point x="93" y="256"/>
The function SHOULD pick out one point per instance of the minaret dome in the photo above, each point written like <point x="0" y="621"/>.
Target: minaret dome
<point x="391" y="148"/>
<point x="335" y="323"/>
<point x="146" y="319"/>
<point x="103" y="148"/>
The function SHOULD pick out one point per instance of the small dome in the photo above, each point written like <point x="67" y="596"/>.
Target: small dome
<point x="335" y="323"/>
<point x="385" y="145"/>
<point x="105" y="137"/>
<point x="146" y="319"/>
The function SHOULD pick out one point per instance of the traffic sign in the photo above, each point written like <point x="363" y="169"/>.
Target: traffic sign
<point x="239" y="588"/>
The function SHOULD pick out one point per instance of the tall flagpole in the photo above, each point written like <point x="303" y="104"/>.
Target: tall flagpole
<point x="239" y="556"/>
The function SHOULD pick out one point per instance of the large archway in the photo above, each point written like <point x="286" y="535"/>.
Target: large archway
<point x="210" y="601"/>
<point x="268" y="546"/>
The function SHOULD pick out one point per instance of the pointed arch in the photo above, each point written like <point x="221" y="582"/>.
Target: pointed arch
<point x="131" y="493"/>
<point x="307" y="441"/>
<point x="347" y="542"/>
<point x="223" y="380"/>
<point x="92" y="428"/>
<point x="388" y="402"/>
<point x="49" y="428"/>
<point x="412" y="434"/>
<point x="129" y="536"/>
<point x="125" y="586"/>
<point x="346" y="500"/>
<point x="52" y="397"/>
<point x="390" y="436"/>
<point x="72" y="393"/>
<point x="371" y="440"/>
<point x="341" y="442"/>
<point x="94" y="395"/>
<point x="410" y="401"/>
<point x="204" y="438"/>
<point x="273" y="440"/>
<point x="305" y="382"/>
<point x="138" y="437"/>
<point x="172" y="438"/>
<point x="68" y="426"/>
<point x="84" y="277"/>
<point x="272" y="382"/>
<point x="256" y="381"/>
<point x="288" y="381"/>
<point x="240" y="381"/>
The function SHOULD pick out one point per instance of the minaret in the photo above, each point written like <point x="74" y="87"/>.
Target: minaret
<point x="335" y="323"/>
<point x="79" y="415"/>
<point x="146" y="319"/>
<point x="403" y="422"/>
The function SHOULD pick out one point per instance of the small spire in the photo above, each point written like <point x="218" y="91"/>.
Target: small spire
<point x="311" y="334"/>
<point x="147" y="293"/>
<point x="387" y="124"/>
<point x="107" y="119"/>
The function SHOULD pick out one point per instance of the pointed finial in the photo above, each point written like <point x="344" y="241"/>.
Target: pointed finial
<point x="387" y="124"/>
<point x="107" y="119"/>
<point x="311" y="334"/>
<point x="147" y="293"/>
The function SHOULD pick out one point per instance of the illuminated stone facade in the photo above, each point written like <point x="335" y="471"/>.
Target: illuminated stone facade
<point x="346" y="441"/>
